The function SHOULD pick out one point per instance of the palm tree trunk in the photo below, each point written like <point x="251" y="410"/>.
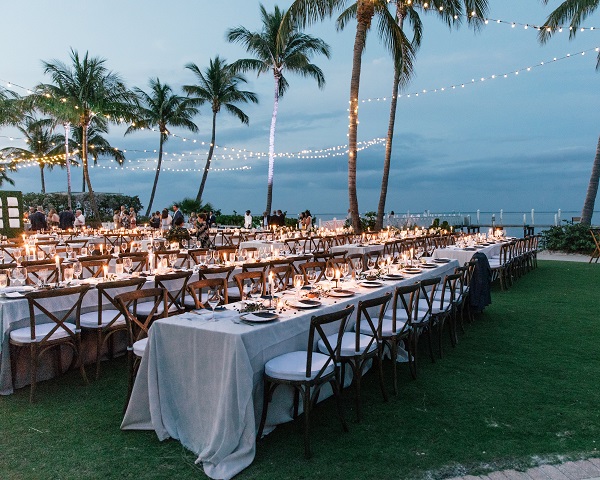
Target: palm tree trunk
<point x="42" y="175"/>
<point x="272" y="146"/>
<point x="592" y="190"/>
<point x="208" y="159"/>
<point x="83" y="183"/>
<point x="389" y="140"/>
<point x="362" y="26"/>
<point x="160" y="152"/>
<point x="68" y="163"/>
<point x="86" y="173"/>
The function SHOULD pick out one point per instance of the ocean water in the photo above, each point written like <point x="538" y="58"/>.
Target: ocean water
<point x="513" y="221"/>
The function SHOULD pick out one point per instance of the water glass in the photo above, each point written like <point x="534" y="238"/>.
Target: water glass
<point x="40" y="254"/>
<point x="84" y="251"/>
<point x="119" y="269"/>
<point x="3" y="280"/>
<point x="68" y="274"/>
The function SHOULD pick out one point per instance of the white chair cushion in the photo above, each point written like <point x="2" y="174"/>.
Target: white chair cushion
<point x="188" y="301"/>
<point x="292" y="366"/>
<point x="23" y="335"/>
<point x="349" y="344"/>
<point x="90" y="319"/>
<point x="139" y="347"/>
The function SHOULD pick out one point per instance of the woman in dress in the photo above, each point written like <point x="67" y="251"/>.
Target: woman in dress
<point x="202" y="231"/>
<point x="178" y="232"/>
<point x="166" y="220"/>
<point x="132" y="218"/>
<point x="307" y="220"/>
<point x="52" y="219"/>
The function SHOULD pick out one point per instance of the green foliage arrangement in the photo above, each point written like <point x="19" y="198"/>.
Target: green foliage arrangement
<point x="571" y="238"/>
<point x="107" y="203"/>
<point x="189" y="205"/>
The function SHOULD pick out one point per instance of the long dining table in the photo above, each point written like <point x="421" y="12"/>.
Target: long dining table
<point x="200" y="381"/>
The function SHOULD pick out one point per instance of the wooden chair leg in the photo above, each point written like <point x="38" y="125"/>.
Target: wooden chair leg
<point x="33" y="372"/>
<point x="263" y="415"/>
<point x="394" y="363"/>
<point x="80" y="359"/>
<point x="335" y="385"/>
<point x="98" y="351"/>
<point x="381" y="382"/>
<point x="307" y="408"/>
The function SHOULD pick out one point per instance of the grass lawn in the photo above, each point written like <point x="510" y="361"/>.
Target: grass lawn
<point x="520" y="388"/>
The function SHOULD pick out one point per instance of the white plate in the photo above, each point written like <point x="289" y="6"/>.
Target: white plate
<point x="259" y="317"/>
<point x="441" y="260"/>
<point x="371" y="284"/>
<point x="412" y="270"/>
<point x="19" y="288"/>
<point x="304" y="303"/>
<point x="393" y="276"/>
<point x="428" y="265"/>
<point x="340" y="292"/>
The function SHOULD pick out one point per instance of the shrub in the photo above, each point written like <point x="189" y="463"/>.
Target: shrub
<point x="568" y="238"/>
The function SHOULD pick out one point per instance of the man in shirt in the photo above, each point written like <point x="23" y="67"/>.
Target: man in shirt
<point x="248" y="219"/>
<point x="38" y="219"/>
<point x="66" y="219"/>
<point x="79" y="219"/>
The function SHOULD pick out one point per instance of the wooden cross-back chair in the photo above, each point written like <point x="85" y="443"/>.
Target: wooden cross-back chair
<point x="36" y="266"/>
<point x="197" y="297"/>
<point x="92" y="266"/>
<point x="107" y="319"/>
<point x="254" y="280"/>
<point x="319" y="267"/>
<point x="138" y="325"/>
<point x="60" y="328"/>
<point x="139" y="260"/>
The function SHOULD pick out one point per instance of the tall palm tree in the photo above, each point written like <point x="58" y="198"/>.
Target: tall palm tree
<point x="218" y="85"/>
<point x="450" y="12"/>
<point x="574" y="12"/>
<point x="98" y="145"/>
<point x="278" y="47"/>
<point x="79" y="92"/>
<point x="161" y="108"/>
<point x="42" y="141"/>
<point x="10" y="107"/>
<point x="364" y="11"/>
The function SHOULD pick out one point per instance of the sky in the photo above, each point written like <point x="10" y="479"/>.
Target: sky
<point x="518" y="143"/>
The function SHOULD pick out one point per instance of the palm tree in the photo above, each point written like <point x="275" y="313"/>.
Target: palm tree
<point x="278" y="47"/>
<point x="42" y="141"/>
<point x="10" y="107"/>
<point x="4" y="178"/>
<point x="303" y="12"/>
<point x="574" y="12"/>
<point x="98" y="145"/>
<point x="450" y="12"/>
<point x="218" y="85"/>
<point x="160" y="108"/>
<point x="79" y="92"/>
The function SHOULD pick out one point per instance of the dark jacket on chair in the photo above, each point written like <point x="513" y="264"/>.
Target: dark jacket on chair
<point x="480" y="291"/>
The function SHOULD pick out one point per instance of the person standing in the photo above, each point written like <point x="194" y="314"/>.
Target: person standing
<point x="202" y="231"/>
<point x="79" y="219"/>
<point x="248" y="220"/>
<point x="280" y="218"/>
<point x="38" y="219"/>
<point x="132" y="218"/>
<point x="265" y="220"/>
<point x="165" y="220"/>
<point x="117" y="219"/>
<point x="177" y="215"/>
<point x="66" y="219"/>
<point x="212" y="220"/>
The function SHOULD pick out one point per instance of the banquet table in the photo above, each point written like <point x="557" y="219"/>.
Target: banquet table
<point x="363" y="249"/>
<point x="464" y="255"/>
<point x="201" y="382"/>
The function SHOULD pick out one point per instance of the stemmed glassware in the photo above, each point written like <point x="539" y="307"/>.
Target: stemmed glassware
<point x="298" y="284"/>
<point x="18" y="275"/>
<point x="214" y="298"/>
<point x="344" y="270"/>
<point x="329" y="274"/>
<point x="124" y="247"/>
<point x="43" y="276"/>
<point x="91" y="248"/>
<point x="128" y="264"/>
<point x="77" y="270"/>
<point x="68" y="274"/>
<point x="69" y="250"/>
<point x="184" y="243"/>
<point x="311" y="276"/>
<point x="172" y="259"/>
<point x="109" y="248"/>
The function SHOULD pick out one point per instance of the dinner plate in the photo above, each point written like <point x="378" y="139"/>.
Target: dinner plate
<point x="304" y="303"/>
<point x="259" y="317"/>
<point x="469" y="249"/>
<point x="393" y="276"/>
<point x="441" y="260"/>
<point x="340" y="292"/>
<point x="371" y="284"/>
<point x="19" y="289"/>
<point x="428" y="265"/>
<point x="412" y="270"/>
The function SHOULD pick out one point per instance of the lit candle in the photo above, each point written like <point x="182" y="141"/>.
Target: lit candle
<point x="105" y="271"/>
<point x="150" y="262"/>
<point x="101" y="249"/>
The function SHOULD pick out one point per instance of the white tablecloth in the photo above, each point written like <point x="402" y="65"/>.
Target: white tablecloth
<point x="354" y="248"/>
<point x="201" y="382"/>
<point x="463" y="256"/>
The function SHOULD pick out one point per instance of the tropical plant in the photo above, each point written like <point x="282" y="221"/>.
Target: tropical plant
<point x="277" y="48"/>
<point x="42" y="143"/>
<point x="10" y="107"/>
<point x="364" y="11"/>
<point x="218" y="85"/>
<point x="98" y="145"/>
<point x="571" y="238"/>
<point x="4" y="169"/>
<point x="79" y="92"/>
<point x="161" y="108"/>
<point x="574" y="12"/>
<point x="450" y="12"/>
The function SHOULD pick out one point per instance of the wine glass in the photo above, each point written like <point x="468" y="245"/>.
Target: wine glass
<point x="83" y="252"/>
<point x="91" y="248"/>
<point x="344" y="270"/>
<point x="298" y="284"/>
<point x="172" y="259"/>
<point x="3" y="281"/>
<point x="371" y="262"/>
<point x="123" y="247"/>
<point x="329" y="273"/>
<point x="184" y="243"/>
<point x="43" y="277"/>
<point x="213" y="300"/>
<point x="68" y="274"/>
<point x="128" y="264"/>
<point x="18" y="275"/>
<point x="52" y="250"/>
<point x="17" y="255"/>
<point x="311" y="277"/>
<point x="109" y="248"/>
<point x="77" y="270"/>
<point x="69" y="250"/>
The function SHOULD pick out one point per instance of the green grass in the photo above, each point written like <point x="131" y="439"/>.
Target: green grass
<point x="520" y="388"/>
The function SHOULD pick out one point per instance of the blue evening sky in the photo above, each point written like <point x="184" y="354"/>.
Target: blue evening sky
<point x="516" y="143"/>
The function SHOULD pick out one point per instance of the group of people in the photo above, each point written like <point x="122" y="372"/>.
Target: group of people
<point x="124" y="218"/>
<point x="176" y="232"/>
<point x="40" y="220"/>
<point x="277" y="219"/>
<point x="305" y="220"/>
